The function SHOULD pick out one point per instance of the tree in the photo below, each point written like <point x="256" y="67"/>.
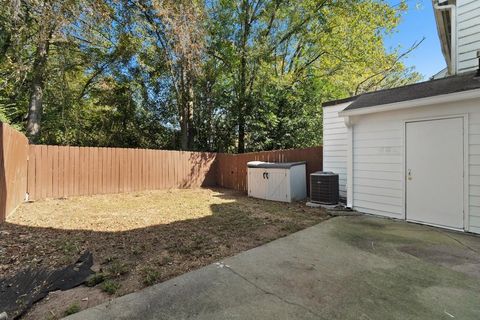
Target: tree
<point x="287" y="57"/>
<point x="178" y="29"/>
<point x="218" y="75"/>
<point x="45" y="22"/>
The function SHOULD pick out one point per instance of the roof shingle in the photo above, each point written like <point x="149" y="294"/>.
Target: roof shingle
<point x="453" y="84"/>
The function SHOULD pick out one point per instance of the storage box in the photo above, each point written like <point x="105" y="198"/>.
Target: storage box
<point x="284" y="182"/>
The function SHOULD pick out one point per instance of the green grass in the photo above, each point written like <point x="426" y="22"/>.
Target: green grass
<point x="150" y="276"/>
<point x="95" y="279"/>
<point x="73" y="308"/>
<point x="110" y="286"/>
<point x="117" y="268"/>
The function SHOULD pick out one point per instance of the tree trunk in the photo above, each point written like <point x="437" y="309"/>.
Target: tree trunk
<point x="38" y="83"/>
<point x="183" y="106"/>
<point x="183" y="123"/>
<point x="187" y="129"/>
<point x="190" y="125"/>
<point x="183" y="134"/>
<point x="241" y="107"/>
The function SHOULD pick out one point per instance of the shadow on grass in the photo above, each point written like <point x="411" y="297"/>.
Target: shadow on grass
<point x="140" y="257"/>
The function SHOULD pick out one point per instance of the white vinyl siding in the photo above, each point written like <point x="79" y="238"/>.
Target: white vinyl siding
<point x="378" y="158"/>
<point x="335" y="144"/>
<point x="377" y="166"/>
<point x="468" y="33"/>
<point x="474" y="170"/>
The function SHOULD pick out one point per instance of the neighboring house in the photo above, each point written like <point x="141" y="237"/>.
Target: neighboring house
<point x="458" y="24"/>
<point x="413" y="152"/>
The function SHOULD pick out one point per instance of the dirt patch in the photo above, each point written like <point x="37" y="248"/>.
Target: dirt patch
<point x="140" y="239"/>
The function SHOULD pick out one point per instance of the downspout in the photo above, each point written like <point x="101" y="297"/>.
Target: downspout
<point x="349" y="125"/>
<point x="453" y="36"/>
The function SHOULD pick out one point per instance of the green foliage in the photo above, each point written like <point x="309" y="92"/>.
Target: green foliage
<point x="122" y="77"/>
<point x="73" y="308"/>
<point x="150" y="276"/>
<point x="110" y="286"/>
<point x="95" y="279"/>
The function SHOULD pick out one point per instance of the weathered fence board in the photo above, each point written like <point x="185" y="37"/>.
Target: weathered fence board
<point x="13" y="169"/>
<point x="57" y="172"/>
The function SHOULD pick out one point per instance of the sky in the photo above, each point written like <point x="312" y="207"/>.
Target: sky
<point x="416" y="23"/>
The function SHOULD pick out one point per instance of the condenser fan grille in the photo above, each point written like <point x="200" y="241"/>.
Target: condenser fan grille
<point x="324" y="187"/>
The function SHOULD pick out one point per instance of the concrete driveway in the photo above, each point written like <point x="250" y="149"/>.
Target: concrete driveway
<point x="345" y="268"/>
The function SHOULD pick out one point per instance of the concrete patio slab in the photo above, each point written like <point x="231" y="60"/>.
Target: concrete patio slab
<point x="357" y="267"/>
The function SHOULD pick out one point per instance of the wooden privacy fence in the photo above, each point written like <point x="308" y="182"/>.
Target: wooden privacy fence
<point x="57" y="172"/>
<point x="44" y="171"/>
<point x="232" y="168"/>
<point x="13" y="169"/>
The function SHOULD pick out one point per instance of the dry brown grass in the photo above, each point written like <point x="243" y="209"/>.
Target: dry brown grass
<point x="120" y="212"/>
<point x="139" y="239"/>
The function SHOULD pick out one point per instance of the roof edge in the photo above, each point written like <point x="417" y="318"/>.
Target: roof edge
<point x="444" y="98"/>
<point x="339" y="101"/>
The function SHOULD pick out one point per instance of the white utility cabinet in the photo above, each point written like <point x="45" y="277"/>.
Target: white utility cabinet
<point x="284" y="182"/>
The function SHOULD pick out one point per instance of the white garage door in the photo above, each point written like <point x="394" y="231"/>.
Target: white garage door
<point x="434" y="172"/>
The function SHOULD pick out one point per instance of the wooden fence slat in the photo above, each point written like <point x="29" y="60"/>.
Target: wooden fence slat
<point x="80" y="173"/>
<point x="126" y="168"/>
<point x="136" y="178"/>
<point x="31" y="173"/>
<point x="60" y="177"/>
<point x="121" y="169"/>
<point x="96" y="171"/>
<point x="163" y="171"/>
<point x="92" y="171"/>
<point x="146" y="172"/>
<point x="160" y="171"/>
<point x="76" y="171"/>
<point x="70" y="172"/>
<point x="108" y="170"/>
<point x="143" y="173"/>
<point x="38" y="172"/>
<point x="114" y="171"/>
<point x="85" y="172"/>
<point x="50" y="161"/>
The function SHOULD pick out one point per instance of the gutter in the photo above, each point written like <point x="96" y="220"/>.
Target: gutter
<point x="453" y="36"/>
<point x="443" y="98"/>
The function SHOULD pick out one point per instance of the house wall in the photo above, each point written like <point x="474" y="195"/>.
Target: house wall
<point x="377" y="166"/>
<point x="335" y="144"/>
<point x="378" y="158"/>
<point x="468" y="33"/>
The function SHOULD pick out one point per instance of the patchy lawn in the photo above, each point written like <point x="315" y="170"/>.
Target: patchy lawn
<point x="139" y="239"/>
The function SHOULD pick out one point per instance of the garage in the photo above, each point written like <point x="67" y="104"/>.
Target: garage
<point x="410" y="153"/>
